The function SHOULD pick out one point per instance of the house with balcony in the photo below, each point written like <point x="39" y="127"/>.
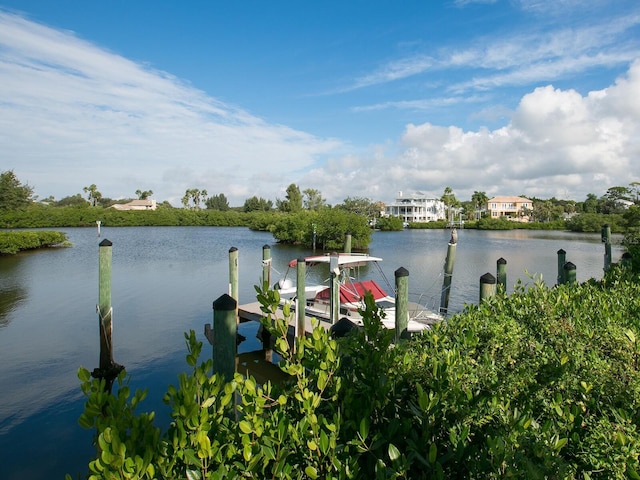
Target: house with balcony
<point x="516" y="209"/>
<point x="416" y="207"/>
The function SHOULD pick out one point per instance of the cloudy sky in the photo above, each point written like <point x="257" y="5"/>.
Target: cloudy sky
<point x="358" y="98"/>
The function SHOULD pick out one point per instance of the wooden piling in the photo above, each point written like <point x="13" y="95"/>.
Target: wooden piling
<point x="501" y="268"/>
<point x="266" y="266"/>
<point x="487" y="286"/>
<point x="301" y="297"/>
<point x="233" y="273"/>
<point x="562" y="259"/>
<point x="569" y="273"/>
<point x="225" y="331"/>
<point x="606" y="239"/>
<point x="626" y="259"/>
<point x="108" y="369"/>
<point x="448" y="273"/>
<point x="347" y="243"/>
<point x="334" y="288"/>
<point x="402" y="304"/>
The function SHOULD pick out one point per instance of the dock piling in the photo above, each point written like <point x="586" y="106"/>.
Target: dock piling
<point x="487" y="286"/>
<point x="562" y="259"/>
<point x="266" y="266"/>
<point x="334" y="288"/>
<point x="301" y="298"/>
<point x="606" y="239"/>
<point x="501" y="269"/>
<point x="347" y="243"/>
<point x="108" y="369"/>
<point x="402" y="304"/>
<point x="569" y="273"/>
<point x="225" y="331"/>
<point x="448" y="272"/>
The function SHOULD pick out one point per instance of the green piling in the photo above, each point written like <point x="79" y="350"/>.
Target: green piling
<point x="570" y="273"/>
<point x="501" y="268"/>
<point x="487" y="286"/>
<point x="448" y="272"/>
<point x="301" y="297"/>
<point x="334" y="288"/>
<point x="402" y="304"/>
<point x="225" y="331"/>
<point x="233" y="273"/>
<point x="266" y="267"/>
<point x="606" y="239"/>
<point x="562" y="259"/>
<point x="108" y="369"/>
<point x="626" y="259"/>
<point x="347" y="243"/>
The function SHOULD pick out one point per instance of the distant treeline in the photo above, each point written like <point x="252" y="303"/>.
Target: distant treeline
<point x="44" y="216"/>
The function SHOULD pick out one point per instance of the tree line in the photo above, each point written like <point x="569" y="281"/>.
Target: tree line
<point x="614" y="207"/>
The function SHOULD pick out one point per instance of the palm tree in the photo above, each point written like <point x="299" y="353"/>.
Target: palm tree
<point x="480" y="200"/>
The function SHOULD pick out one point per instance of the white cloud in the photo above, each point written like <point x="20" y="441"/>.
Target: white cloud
<point x="72" y="114"/>
<point x="558" y="143"/>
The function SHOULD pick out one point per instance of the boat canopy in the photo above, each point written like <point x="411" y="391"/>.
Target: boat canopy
<point x="344" y="260"/>
<point x="354" y="292"/>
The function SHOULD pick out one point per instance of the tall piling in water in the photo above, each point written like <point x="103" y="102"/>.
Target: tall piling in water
<point x="562" y="259"/>
<point x="107" y="369"/>
<point x="334" y="288"/>
<point x="448" y="272"/>
<point x="606" y="239"/>
<point x="569" y="273"/>
<point x="301" y="298"/>
<point x="501" y="269"/>
<point x="225" y="331"/>
<point x="487" y="286"/>
<point x="347" y="243"/>
<point x="266" y="266"/>
<point x="402" y="304"/>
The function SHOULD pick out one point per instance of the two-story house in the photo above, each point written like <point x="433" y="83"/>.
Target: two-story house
<point x="416" y="207"/>
<point x="516" y="209"/>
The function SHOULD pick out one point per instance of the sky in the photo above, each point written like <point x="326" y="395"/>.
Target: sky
<point x="354" y="98"/>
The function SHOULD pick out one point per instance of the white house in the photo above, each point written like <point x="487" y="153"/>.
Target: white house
<point x="149" y="204"/>
<point x="416" y="207"/>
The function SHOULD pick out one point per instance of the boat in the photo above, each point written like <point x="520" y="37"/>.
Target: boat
<point x="347" y="268"/>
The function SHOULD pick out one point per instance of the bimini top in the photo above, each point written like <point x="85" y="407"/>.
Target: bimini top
<point x="344" y="260"/>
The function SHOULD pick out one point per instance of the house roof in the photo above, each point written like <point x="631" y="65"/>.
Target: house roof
<point x="508" y="199"/>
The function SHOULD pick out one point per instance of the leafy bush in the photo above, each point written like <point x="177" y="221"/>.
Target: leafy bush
<point x="14" y="242"/>
<point x="544" y="383"/>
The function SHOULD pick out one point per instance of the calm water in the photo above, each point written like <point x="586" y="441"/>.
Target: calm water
<point x="164" y="281"/>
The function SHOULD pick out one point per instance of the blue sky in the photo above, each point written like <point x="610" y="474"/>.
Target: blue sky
<point x="353" y="98"/>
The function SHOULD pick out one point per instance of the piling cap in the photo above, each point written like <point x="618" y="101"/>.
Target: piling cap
<point x="233" y="249"/>
<point x="561" y="252"/>
<point x="569" y="266"/>
<point x="487" y="278"/>
<point x="225" y="303"/>
<point x="266" y="247"/>
<point x="401" y="272"/>
<point x="502" y="261"/>
<point x="105" y="243"/>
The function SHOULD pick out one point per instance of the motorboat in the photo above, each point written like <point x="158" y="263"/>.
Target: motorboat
<point x="348" y="268"/>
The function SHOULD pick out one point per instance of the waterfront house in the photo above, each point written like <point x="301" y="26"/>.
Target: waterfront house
<point x="517" y="209"/>
<point x="149" y="204"/>
<point x="416" y="207"/>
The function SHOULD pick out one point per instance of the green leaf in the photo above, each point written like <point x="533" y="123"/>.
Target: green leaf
<point x="311" y="471"/>
<point x="394" y="453"/>
<point x="245" y="426"/>
<point x="433" y="453"/>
